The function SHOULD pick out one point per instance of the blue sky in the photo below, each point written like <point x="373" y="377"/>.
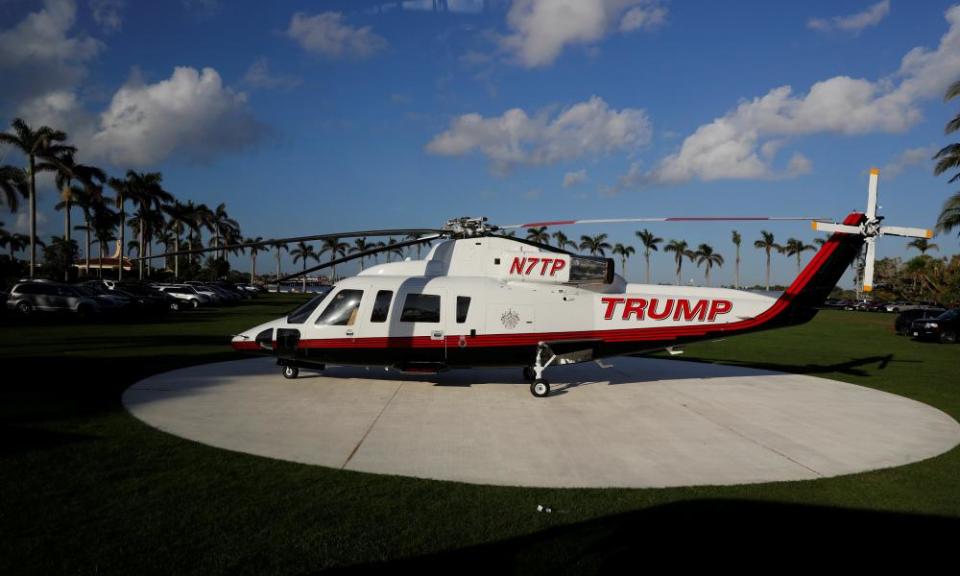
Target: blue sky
<point x="312" y="117"/>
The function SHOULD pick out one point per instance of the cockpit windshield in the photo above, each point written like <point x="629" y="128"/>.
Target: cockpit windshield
<point x="300" y="314"/>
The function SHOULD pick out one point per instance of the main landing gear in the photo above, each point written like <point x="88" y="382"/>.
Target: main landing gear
<point x="291" y="370"/>
<point x="539" y="386"/>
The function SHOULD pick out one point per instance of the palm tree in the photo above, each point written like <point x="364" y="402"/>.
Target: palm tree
<point x="795" y="247"/>
<point x="303" y="252"/>
<point x="706" y="256"/>
<point x="121" y="187"/>
<point x="649" y="241"/>
<point x="624" y="252"/>
<point x="948" y="158"/>
<point x="361" y="245"/>
<point x="103" y="221"/>
<point x="392" y="249"/>
<point x="203" y="217"/>
<point x="222" y="225"/>
<point x="737" y="240"/>
<point x="922" y="244"/>
<point x="13" y="185"/>
<point x="539" y="235"/>
<point x="767" y="243"/>
<point x="179" y="219"/>
<point x="562" y="241"/>
<point x="41" y="143"/>
<point x="278" y="246"/>
<point x="17" y="242"/>
<point x="949" y="214"/>
<point x="680" y="251"/>
<point x="595" y="244"/>
<point x="67" y="171"/>
<point x="253" y="255"/>
<point x="337" y="249"/>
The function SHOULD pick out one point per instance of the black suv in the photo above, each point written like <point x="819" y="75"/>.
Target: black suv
<point x="943" y="328"/>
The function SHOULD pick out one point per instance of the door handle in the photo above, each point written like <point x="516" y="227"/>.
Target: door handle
<point x="436" y="335"/>
<point x="349" y="332"/>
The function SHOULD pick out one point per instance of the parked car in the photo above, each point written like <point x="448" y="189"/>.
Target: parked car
<point x="942" y="328"/>
<point x="187" y="294"/>
<point x="904" y="322"/>
<point x="28" y="298"/>
<point x="144" y="301"/>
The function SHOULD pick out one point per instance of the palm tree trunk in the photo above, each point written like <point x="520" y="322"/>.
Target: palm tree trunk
<point x="278" y="269"/>
<point x="738" y="268"/>
<point x="33" y="216"/>
<point x="253" y="269"/>
<point x="140" y="253"/>
<point x="304" y="274"/>
<point x="647" y="258"/>
<point x="123" y="225"/>
<point x="100" y="263"/>
<point x="86" y="221"/>
<point x="768" y="270"/>
<point x="176" y="258"/>
<point x="66" y="235"/>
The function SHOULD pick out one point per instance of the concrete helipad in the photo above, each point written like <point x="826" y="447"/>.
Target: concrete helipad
<point x="638" y="423"/>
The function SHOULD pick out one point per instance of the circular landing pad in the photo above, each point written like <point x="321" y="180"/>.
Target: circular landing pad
<point x="638" y="423"/>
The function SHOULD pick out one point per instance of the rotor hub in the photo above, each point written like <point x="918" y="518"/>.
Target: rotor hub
<point x="469" y="227"/>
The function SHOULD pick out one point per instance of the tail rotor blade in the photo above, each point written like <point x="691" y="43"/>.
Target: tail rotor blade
<point x="908" y="232"/>
<point x="868" y="264"/>
<point x="829" y="227"/>
<point x="872" y="194"/>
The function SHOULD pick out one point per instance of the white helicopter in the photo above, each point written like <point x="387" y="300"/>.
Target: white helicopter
<point x="485" y="299"/>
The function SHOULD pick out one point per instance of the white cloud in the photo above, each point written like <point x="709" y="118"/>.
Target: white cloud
<point x="39" y="55"/>
<point x="515" y="138"/>
<point x="325" y="34"/>
<point x="908" y="158"/>
<point x="647" y="17"/>
<point x="192" y="113"/>
<point x="106" y="13"/>
<point x="743" y="143"/>
<point x="853" y="22"/>
<point x="541" y="29"/>
<point x="574" y="178"/>
<point x="260" y="76"/>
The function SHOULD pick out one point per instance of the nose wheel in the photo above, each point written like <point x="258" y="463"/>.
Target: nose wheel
<point x="540" y="388"/>
<point x="290" y="372"/>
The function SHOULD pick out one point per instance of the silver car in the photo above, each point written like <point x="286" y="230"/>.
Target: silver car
<point x="27" y="298"/>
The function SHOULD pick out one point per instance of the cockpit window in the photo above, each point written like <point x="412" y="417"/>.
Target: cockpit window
<point x="300" y="315"/>
<point x="342" y="310"/>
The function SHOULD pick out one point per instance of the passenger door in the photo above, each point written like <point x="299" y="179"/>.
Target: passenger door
<point x="419" y="326"/>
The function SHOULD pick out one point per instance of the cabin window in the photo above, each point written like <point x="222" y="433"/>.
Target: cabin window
<point x="421" y="308"/>
<point x="381" y="306"/>
<point x="463" y="306"/>
<point x="301" y="313"/>
<point x="342" y="310"/>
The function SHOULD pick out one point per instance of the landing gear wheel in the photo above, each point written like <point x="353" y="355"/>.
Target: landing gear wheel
<point x="290" y="372"/>
<point x="528" y="374"/>
<point x="540" y="388"/>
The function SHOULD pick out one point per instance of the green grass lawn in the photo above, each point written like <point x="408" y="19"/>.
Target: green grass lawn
<point x="87" y="488"/>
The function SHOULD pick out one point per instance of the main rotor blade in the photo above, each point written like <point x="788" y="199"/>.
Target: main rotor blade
<point x="665" y="219"/>
<point x="272" y="241"/>
<point x="363" y="254"/>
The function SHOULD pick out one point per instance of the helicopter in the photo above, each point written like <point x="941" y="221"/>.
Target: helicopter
<point x="484" y="298"/>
